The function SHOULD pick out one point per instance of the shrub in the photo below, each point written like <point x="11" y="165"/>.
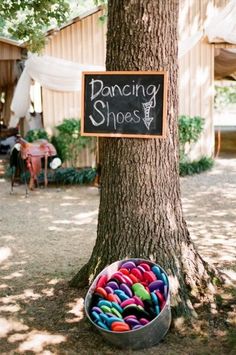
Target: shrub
<point x="64" y="176"/>
<point x="72" y="176"/>
<point x="69" y="142"/>
<point x="195" y="167"/>
<point x="36" y="134"/>
<point x="69" y="176"/>
<point x="190" y="129"/>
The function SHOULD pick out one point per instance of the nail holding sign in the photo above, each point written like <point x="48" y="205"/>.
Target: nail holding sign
<point x="124" y="104"/>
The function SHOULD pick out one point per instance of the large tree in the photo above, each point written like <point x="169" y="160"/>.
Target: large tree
<point x="140" y="213"/>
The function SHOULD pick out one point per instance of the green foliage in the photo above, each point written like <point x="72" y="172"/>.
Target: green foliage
<point x="28" y="20"/>
<point x="195" y="167"/>
<point x="231" y="340"/>
<point x="190" y="129"/>
<point x="8" y="172"/>
<point x="68" y="176"/>
<point x="72" y="176"/>
<point x="100" y="2"/>
<point x="61" y="176"/>
<point x="80" y="6"/>
<point x="69" y="142"/>
<point x="36" y="134"/>
<point x="23" y="175"/>
<point x="224" y="95"/>
<point x="103" y="18"/>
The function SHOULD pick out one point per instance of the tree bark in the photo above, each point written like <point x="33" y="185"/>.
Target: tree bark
<point x="140" y="213"/>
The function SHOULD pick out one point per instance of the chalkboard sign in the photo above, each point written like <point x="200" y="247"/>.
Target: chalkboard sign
<point x="124" y="104"/>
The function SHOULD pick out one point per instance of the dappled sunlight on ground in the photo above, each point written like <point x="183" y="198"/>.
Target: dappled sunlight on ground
<point x="28" y="318"/>
<point x="36" y="341"/>
<point x="209" y="209"/>
<point x="40" y="318"/>
<point x="37" y="313"/>
<point x="70" y="198"/>
<point x="81" y="218"/>
<point x="50" y="234"/>
<point x="5" y="252"/>
<point x="77" y="310"/>
<point x="9" y="325"/>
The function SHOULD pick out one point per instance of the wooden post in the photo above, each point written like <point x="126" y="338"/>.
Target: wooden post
<point x="46" y="171"/>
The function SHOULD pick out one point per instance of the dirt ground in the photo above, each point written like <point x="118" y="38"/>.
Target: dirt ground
<point x="45" y="238"/>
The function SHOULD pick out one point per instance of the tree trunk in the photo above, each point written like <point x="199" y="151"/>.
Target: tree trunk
<point x="140" y="213"/>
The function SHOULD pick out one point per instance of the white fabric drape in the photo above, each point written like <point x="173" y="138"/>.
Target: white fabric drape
<point x="21" y="99"/>
<point x="59" y="75"/>
<point x="52" y="73"/>
<point x="222" y="27"/>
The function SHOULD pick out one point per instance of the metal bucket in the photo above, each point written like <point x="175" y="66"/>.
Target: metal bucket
<point x="144" y="337"/>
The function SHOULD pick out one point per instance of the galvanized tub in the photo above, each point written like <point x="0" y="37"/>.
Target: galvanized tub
<point x="144" y="337"/>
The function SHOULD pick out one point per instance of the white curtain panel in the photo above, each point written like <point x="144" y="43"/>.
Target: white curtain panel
<point x="222" y="27"/>
<point x="51" y="73"/>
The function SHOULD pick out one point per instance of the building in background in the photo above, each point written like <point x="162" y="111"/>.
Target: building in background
<point x="83" y="40"/>
<point x="11" y="54"/>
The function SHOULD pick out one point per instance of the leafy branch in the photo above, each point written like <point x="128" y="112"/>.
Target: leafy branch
<point x="28" y="20"/>
<point x="224" y="95"/>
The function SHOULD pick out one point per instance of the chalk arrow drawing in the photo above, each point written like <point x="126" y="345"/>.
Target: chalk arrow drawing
<point x="147" y="119"/>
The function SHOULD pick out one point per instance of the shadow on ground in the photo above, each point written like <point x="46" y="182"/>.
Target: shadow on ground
<point x="40" y="314"/>
<point x="47" y="317"/>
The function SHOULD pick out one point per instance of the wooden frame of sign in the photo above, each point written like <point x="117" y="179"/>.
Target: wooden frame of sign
<point x="128" y="104"/>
